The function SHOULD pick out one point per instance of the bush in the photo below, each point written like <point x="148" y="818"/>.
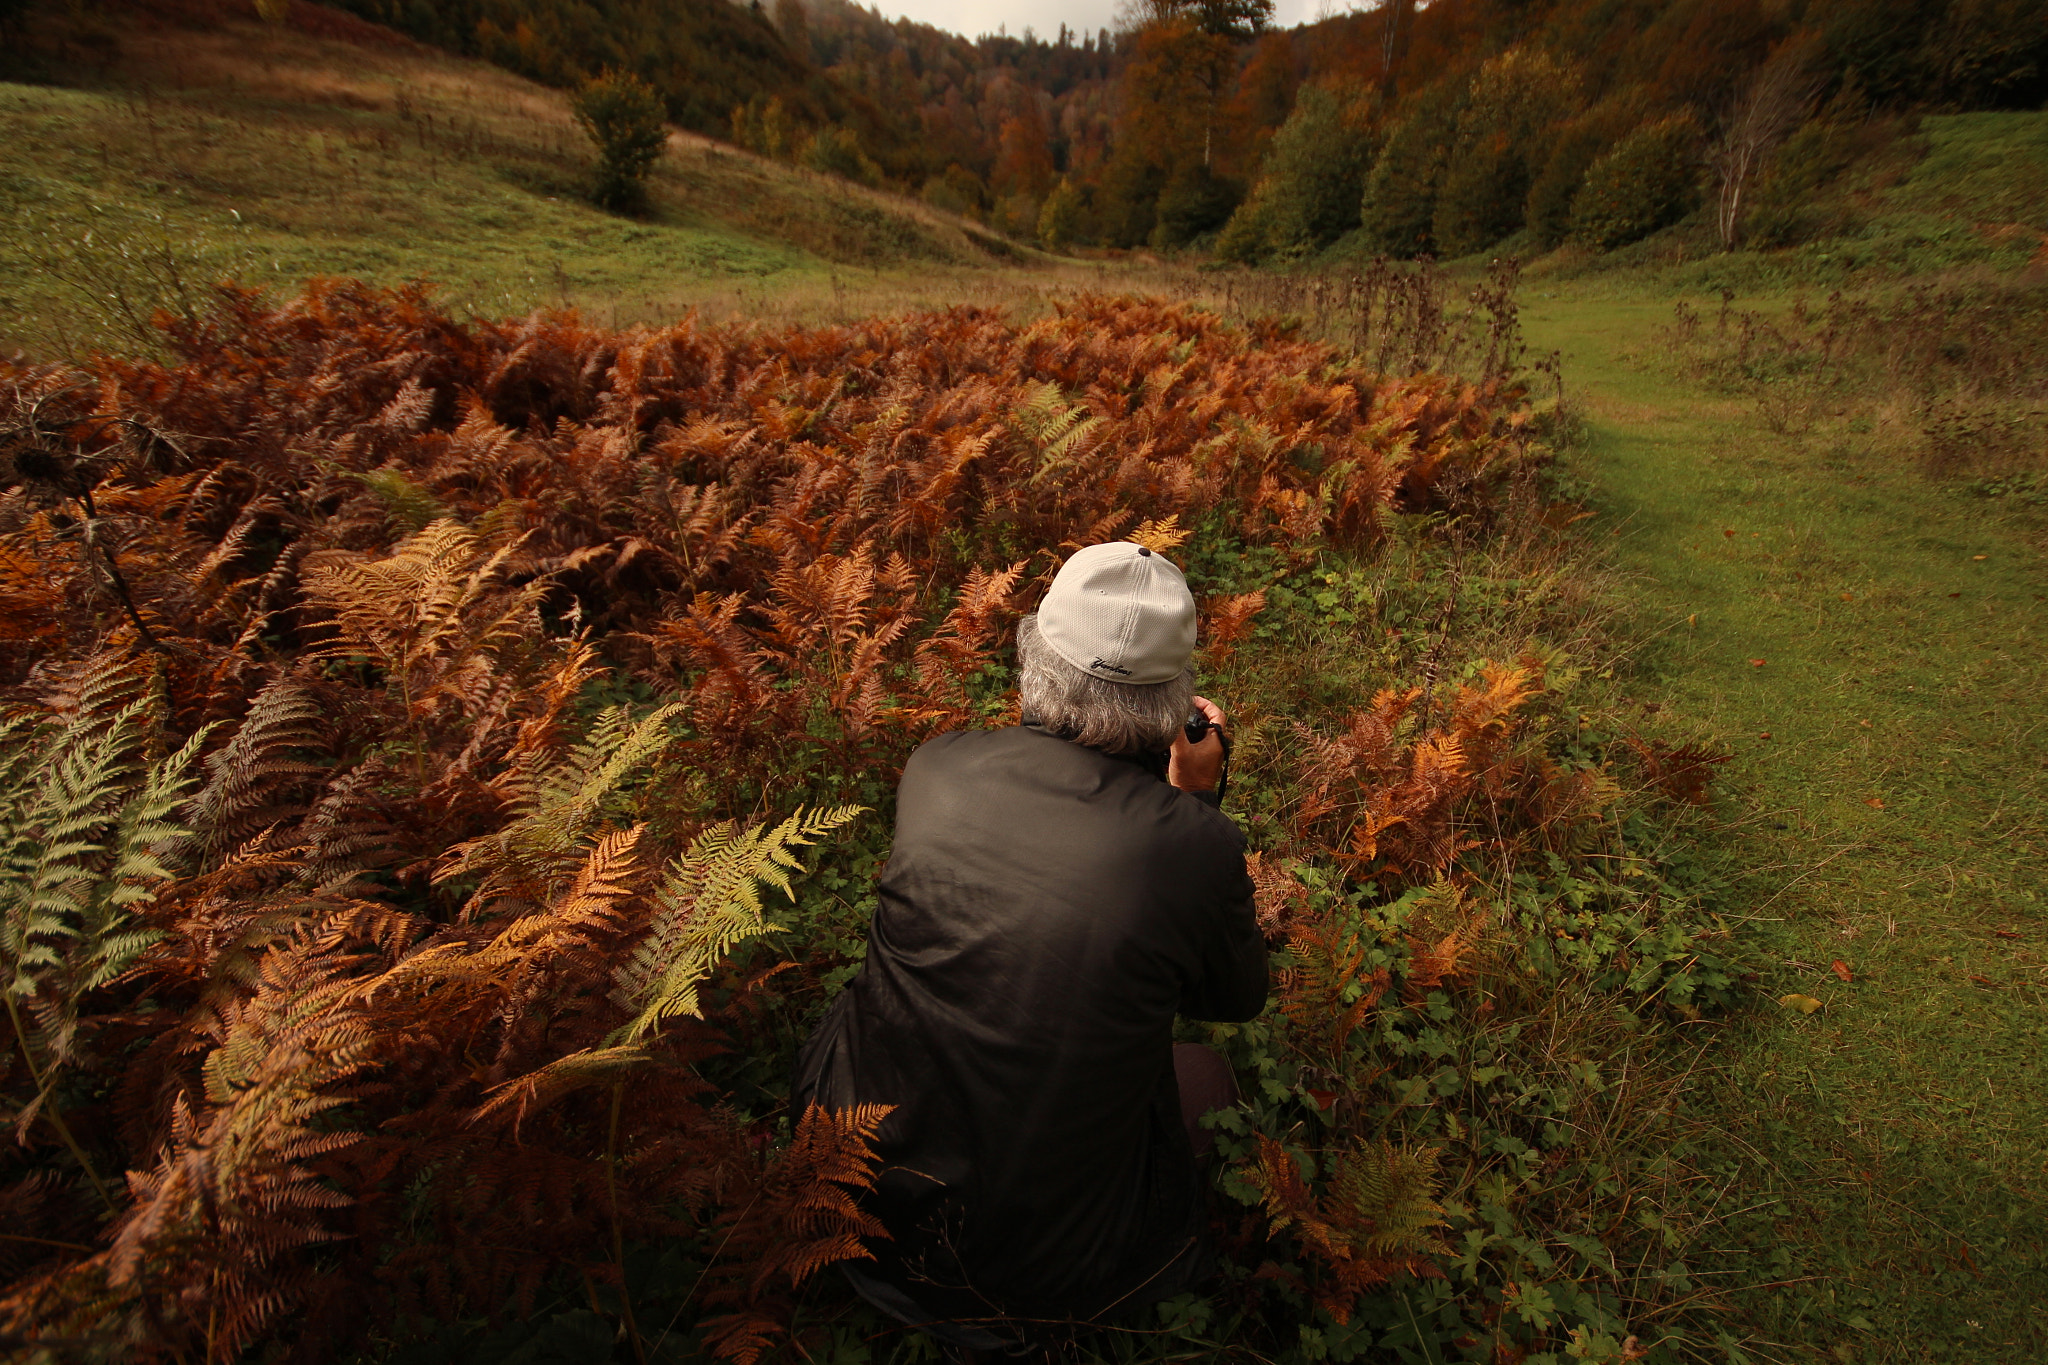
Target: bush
<point x="959" y="190"/>
<point x="1195" y="201"/>
<point x="1060" y="216"/>
<point x="1573" y="148"/>
<point x="623" y="117"/>
<point x="1128" y="200"/>
<point x="836" y="151"/>
<point x="766" y="126"/>
<point x="1649" y="181"/>
<point x="1787" y="205"/>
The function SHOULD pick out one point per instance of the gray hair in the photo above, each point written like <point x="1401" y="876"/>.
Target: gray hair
<point x="1115" y="717"/>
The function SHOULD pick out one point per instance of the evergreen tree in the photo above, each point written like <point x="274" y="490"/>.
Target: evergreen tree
<point x="622" y="116"/>
<point x="1399" y="209"/>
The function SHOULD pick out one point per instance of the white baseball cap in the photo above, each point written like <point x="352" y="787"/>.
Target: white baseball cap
<point x="1120" y="612"/>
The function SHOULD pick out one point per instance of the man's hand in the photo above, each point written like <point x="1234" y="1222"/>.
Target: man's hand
<point x="1195" y="767"/>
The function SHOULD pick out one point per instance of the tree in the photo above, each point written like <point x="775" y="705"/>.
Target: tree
<point x="622" y="115"/>
<point x="1192" y="45"/>
<point x="1399" y="208"/>
<point x="1310" y="185"/>
<point x="1503" y="132"/>
<point x="1574" y="147"/>
<point x="795" y="24"/>
<point x="1193" y="201"/>
<point x="1647" y="182"/>
<point x="1061" y="214"/>
<point x="1775" y="102"/>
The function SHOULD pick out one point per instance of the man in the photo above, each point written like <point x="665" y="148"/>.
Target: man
<point x="1056" y="893"/>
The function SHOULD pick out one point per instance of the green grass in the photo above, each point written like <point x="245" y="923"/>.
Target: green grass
<point x="1962" y="194"/>
<point x="1868" y="643"/>
<point x="271" y="155"/>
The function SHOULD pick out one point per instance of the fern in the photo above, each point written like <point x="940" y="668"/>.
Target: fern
<point x="559" y="806"/>
<point x="1060" y="435"/>
<point x="84" y="822"/>
<point x="709" y="903"/>
<point x="244" y="774"/>
<point x="1378" y="1220"/>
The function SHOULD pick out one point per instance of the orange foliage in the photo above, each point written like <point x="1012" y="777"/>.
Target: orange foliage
<point x="392" y="558"/>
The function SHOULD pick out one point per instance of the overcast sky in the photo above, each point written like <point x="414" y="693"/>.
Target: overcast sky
<point x="973" y="18"/>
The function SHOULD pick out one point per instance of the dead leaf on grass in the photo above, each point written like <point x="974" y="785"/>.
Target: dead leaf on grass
<point x="1841" y="969"/>
<point x="1805" y="1004"/>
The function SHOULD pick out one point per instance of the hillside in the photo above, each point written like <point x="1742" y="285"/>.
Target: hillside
<point x="326" y="146"/>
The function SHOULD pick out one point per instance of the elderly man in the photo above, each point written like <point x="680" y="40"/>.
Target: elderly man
<point x="1056" y="894"/>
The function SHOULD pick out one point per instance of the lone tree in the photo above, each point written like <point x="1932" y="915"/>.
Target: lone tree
<point x="622" y="115"/>
<point x="1774" y="103"/>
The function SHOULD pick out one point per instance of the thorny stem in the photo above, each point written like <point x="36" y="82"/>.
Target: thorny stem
<point x="114" y="572"/>
<point x="49" y="1103"/>
<point x="611" y="1182"/>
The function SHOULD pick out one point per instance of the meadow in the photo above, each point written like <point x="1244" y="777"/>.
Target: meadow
<point x="450" y="745"/>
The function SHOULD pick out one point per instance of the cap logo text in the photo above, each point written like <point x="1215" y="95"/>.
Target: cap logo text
<point x="1108" y="667"/>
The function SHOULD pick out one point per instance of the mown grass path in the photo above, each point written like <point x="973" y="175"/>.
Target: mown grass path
<point x="1872" y="649"/>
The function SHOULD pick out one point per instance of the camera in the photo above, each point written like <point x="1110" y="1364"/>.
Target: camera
<point x="1198" y="728"/>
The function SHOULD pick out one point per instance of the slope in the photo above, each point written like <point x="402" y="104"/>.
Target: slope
<point x="271" y="154"/>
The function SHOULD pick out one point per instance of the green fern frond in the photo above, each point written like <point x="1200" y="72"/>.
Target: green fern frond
<point x="1058" y="430"/>
<point x="1388" y="1195"/>
<point x="85" y="831"/>
<point x="563" y="804"/>
<point x="709" y="903"/>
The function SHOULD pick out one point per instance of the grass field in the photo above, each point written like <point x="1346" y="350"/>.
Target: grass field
<point x="272" y="155"/>
<point x="1870" y="644"/>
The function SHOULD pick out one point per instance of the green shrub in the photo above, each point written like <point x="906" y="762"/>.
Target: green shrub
<point x="1247" y="237"/>
<point x="1060" y="216"/>
<point x="1127" y="202"/>
<point x="1649" y="181"/>
<point x="959" y="190"/>
<point x="836" y="151"/>
<point x="622" y="115"/>
<point x="1399" y="208"/>
<point x="1310" y="183"/>
<point x="766" y="126"/>
<point x="1788" y="205"/>
<point x="1573" y="148"/>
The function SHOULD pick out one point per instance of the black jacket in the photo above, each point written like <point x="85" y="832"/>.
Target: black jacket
<point x="1046" y="911"/>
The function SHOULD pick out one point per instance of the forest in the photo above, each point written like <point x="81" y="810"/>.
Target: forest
<point x="1442" y="128"/>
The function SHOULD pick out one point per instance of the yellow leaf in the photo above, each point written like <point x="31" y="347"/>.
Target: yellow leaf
<point x="1805" y="1004"/>
<point x="1159" y="536"/>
